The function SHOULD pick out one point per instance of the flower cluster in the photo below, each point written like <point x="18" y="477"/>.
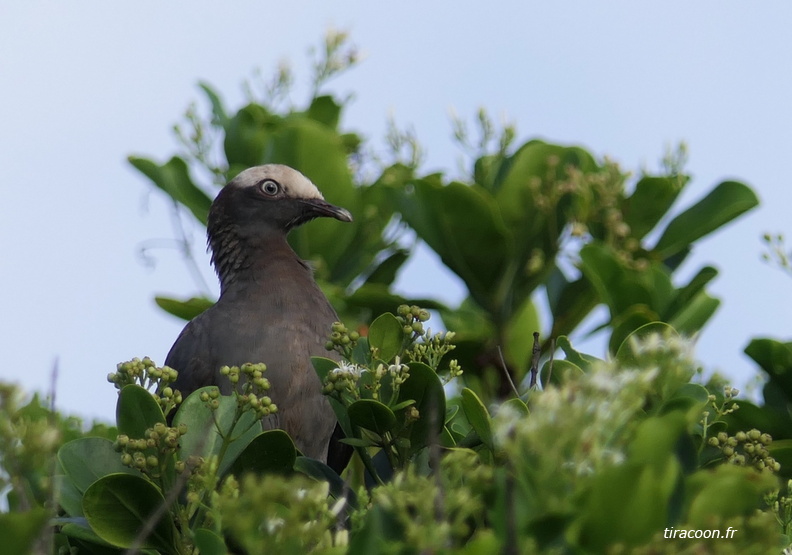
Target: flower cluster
<point x="147" y="374"/>
<point x="342" y="340"/>
<point x="747" y="449"/>
<point x="251" y="387"/>
<point x="276" y="514"/>
<point x="150" y="454"/>
<point x="423" y="345"/>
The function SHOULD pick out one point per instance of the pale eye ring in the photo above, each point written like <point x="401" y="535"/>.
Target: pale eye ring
<point x="270" y="187"/>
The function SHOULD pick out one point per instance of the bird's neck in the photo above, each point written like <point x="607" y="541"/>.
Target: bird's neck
<point x="241" y="261"/>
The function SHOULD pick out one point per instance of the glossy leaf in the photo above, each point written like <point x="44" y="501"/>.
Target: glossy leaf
<point x="581" y="360"/>
<point x="136" y="411"/>
<point x="478" y="416"/>
<point x="518" y="405"/>
<point x="85" y="460"/>
<point x="724" y="203"/>
<point x="559" y="372"/>
<point x="272" y="451"/>
<point x="628" y="503"/>
<point x="650" y="201"/>
<point x="386" y="337"/>
<point x="425" y="388"/>
<point x="620" y="287"/>
<point x="173" y="178"/>
<point x="626" y="356"/>
<point x="319" y="471"/>
<point x="462" y="224"/>
<point x="317" y="151"/>
<point x="372" y="415"/>
<point x="775" y="358"/>
<point x="518" y="347"/>
<point x="209" y="543"/>
<point x="325" y="110"/>
<point x="627" y="322"/>
<point x="203" y="438"/>
<point x="119" y="505"/>
<point x="219" y="115"/>
<point x="186" y="309"/>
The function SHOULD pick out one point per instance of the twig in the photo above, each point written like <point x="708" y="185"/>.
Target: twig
<point x="507" y="373"/>
<point x="537" y="350"/>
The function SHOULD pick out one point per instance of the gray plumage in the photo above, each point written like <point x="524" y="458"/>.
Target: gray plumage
<point x="270" y="309"/>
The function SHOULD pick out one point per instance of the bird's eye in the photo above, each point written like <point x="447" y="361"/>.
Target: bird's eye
<point x="270" y="187"/>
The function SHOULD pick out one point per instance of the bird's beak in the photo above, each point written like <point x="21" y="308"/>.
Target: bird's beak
<point x="320" y="207"/>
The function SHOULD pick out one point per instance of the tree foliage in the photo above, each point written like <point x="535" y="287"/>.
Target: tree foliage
<point x="498" y="436"/>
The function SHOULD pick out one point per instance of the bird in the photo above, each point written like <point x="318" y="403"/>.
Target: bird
<point x="270" y="309"/>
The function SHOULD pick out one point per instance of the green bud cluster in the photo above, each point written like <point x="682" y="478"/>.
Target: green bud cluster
<point x="150" y="453"/>
<point x="250" y="387"/>
<point x="412" y="318"/>
<point x="342" y="340"/>
<point x="147" y="374"/>
<point x="747" y="449"/>
<point x="424" y="346"/>
<point x="781" y="505"/>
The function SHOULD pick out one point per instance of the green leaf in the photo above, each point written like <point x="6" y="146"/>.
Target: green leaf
<point x="203" y="437"/>
<point x="173" y="178"/>
<point x="386" y="336"/>
<point x="219" y="115"/>
<point x="775" y="358"/>
<point x="136" y="411"/>
<point x="271" y="451"/>
<point x="581" y="360"/>
<point x="372" y="415"/>
<point x="186" y="309"/>
<point x="22" y="529"/>
<point x="119" y="505"/>
<point x="325" y="110"/>
<point x="323" y="366"/>
<point x="725" y="492"/>
<point x="463" y="225"/>
<point x="209" y="543"/>
<point x="518" y="347"/>
<point x="656" y="438"/>
<point x="626" y="355"/>
<point x="385" y="272"/>
<point x="628" y="503"/>
<point x="650" y="201"/>
<point x="518" y="405"/>
<point x="724" y="203"/>
<point x="246" y="136"/>
<point x="425" y="388"/>
<point x="87" y="459"/>
<point x="478" y="416"/>
<point x="320" y="472"/>
<point x="559" y="372"/>
<point x="570" y="302"/>
<point x="318" y="152"/>
<point x="621" y="287"/>
<point x="82" y="535"/>
<point x="69" y="498"/>
<point x="627" y="322"/>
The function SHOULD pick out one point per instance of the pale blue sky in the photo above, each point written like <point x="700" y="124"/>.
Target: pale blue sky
<point x="83" y="85"/>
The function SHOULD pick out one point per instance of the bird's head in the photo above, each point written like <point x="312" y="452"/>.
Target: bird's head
<point x="270" y="198"/>
<point x="260" y="205"/>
